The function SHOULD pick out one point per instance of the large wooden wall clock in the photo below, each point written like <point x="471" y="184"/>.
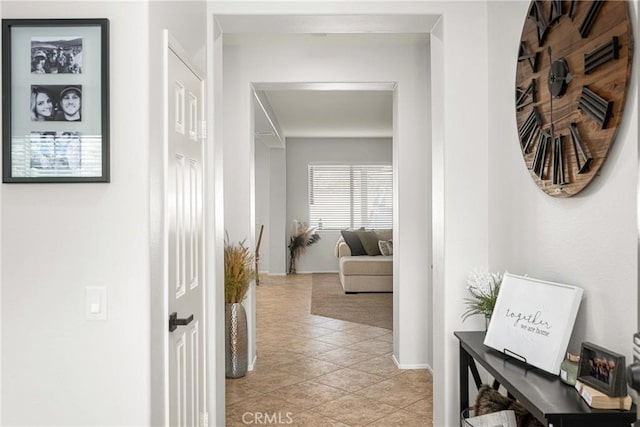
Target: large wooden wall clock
<point x="573" y="71"/>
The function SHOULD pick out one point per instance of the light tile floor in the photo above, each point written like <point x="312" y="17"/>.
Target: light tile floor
<point x="316" y="371"/>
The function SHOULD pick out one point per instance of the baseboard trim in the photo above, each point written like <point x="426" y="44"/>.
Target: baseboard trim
<point x="252" y="365"/>
<point x="315" y="271"/>
<point x="412" y="366"/>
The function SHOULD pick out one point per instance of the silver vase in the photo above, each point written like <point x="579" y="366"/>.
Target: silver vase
<point x="235" y="340"/>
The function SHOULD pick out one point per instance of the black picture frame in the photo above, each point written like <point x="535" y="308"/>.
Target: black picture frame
<point x="603" y="370"/>
<point x="55" y="104"/>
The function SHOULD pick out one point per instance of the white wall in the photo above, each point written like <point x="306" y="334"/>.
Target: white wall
<point x="459" y="193"/>
<point x="185" y="22"/>
<point x="60" y="369"/>
<point x="282" y="59"/>
<point x="262" y="162"/>
<point x="457" y="115"/>
<point x="278" y="210"/>
<point x="300" y="152"/>
<point x="271" y="203"/>
<point x="589" y="240"/>
<point x="214" y="204"/>
<point x="121" y="205"/>
<point x="60" y="238"/>
<point x="468" y="109"/>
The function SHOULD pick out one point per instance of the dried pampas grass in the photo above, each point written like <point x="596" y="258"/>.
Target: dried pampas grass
<point x="302" y="237"/>
<point x="238" y="271"/>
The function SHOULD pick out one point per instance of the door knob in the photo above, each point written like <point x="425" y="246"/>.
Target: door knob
<point x="174" y="322"/>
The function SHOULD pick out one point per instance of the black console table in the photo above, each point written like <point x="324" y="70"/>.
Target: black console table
<point x="552" y="402"/>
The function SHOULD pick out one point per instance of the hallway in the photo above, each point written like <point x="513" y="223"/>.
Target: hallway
<point x="317" y="371"/>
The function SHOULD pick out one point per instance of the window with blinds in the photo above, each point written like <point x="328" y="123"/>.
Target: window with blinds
<point x="350" y="196"/>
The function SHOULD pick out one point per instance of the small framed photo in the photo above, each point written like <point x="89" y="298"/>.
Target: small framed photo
<point x="603" y="370"/>
<point x="55" y="108"/>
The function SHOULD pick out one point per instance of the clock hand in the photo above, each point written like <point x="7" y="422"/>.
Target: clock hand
<point x="555" y="78"/>
<point x="552" y="78"/>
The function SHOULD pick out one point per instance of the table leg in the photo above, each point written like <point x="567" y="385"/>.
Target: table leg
<point x="475" y="373"/>
<point x="464" y="378"/>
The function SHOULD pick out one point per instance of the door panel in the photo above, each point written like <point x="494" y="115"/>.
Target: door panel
<point x="184" y="211"/>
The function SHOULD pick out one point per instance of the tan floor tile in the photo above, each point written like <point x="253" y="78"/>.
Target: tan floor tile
<point x="259" y="418"/>
<point x="278" y="331"/>
<point x="354" y="410"/>
<point x="422" y="407"/>
<point x="394" y="392"/>
<point x="309" y="367"/>
<point x="312" y="419"/>
<point x="344" y="356"/>
<point x="310" y="394"/>
<point x="349" y="379"/>
<point x="379" y="365"/>
<point x="270" y="337"/>
<point x="340" y="338"/>
<point x="311" y="347"/>
<point x="373" y="347"/>
<point x="311" y="331"/>
<point x="291" y="351"/>
<point x="339" y="325"/>
<point x="275" y="345"/>
<point x="270" y="359"/>
<point x="268" y="322"/>
<point x="248" y="409"/>
<point x="236" y="393"/>
<point x="237" y="382"/>
<point x="316" y="320"/>
<point x="388" y="337"/>
<point x="271" y="380"/>
<point x="366" y="331"/>
<point x="234" y="423"/>
<point x="401" y="419"/>
<point x="416" y="377"/>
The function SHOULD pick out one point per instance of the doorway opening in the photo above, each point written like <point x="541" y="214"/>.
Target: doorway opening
<point x="245" y="71"/>
<point x="323" y="162"/>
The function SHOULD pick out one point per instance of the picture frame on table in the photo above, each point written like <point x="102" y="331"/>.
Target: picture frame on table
<point x="55" y="108"/>
<point x="602" y="369"/>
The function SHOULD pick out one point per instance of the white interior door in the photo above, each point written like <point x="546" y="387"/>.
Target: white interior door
<point x="185" y="238"/>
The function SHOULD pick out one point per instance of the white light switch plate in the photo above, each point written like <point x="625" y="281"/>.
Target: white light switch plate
<point x="96" y="303"/>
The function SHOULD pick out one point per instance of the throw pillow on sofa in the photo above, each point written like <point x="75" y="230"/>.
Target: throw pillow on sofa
<point x="369" y="240"/>
<point x="352" y="240"/>
<point x="386" y="247"/>
<point x="384" y="233"/>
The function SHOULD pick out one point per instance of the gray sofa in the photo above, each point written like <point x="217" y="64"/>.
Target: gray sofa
<point x="364" y="273"/>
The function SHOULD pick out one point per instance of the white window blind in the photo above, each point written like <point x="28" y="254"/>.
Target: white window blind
<point x="350" y="196"/>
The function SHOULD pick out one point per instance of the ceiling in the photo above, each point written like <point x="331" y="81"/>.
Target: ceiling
<point x="323" y="112"/>
<point x="326" y="24"/>
<point x="343" y="113"/>
<point x="328" y="109"/>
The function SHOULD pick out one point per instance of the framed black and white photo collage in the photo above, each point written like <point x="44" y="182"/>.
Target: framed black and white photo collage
<point x="56" y="100"/>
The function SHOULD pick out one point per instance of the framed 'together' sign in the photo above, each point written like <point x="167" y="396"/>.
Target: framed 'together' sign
<point x="533" y="320"/>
